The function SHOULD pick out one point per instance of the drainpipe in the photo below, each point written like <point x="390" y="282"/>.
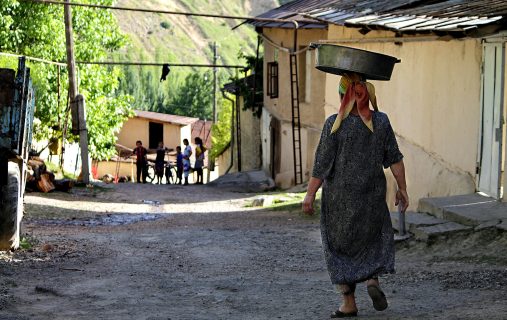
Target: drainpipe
<point x="296" y="27"/>
<point x="232" y="131"/>
<point x="238" y="130"/>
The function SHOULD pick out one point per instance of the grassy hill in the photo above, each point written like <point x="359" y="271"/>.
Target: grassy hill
<point x="182" y="39"/>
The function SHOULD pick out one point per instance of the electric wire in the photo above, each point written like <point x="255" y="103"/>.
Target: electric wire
<point x="207" y="15"/>
<point x="125" y="63"/>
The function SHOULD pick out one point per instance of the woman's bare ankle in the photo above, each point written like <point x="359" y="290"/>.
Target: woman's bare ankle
<point x="373" y="282"/>
<point x="349" y="304"/>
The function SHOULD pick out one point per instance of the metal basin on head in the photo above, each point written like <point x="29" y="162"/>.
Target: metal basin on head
<point x="341" y="60"/>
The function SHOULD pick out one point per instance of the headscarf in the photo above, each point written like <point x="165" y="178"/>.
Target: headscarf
<point x="359" y="93"/>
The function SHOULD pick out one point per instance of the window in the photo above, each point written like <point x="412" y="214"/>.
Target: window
<point x="272" y="80"/>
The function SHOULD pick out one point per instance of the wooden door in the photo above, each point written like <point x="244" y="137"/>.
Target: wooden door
<point x="492" y="91"/>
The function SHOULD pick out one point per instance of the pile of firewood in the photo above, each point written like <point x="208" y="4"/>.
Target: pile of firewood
<point x="40" y="179"/>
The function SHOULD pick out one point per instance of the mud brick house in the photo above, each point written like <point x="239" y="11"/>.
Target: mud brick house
<point x="150" y="128"/>
<point x="445" y="99"/>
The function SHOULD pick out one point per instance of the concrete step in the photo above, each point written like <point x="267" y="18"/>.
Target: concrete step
<point x="415" y="219"/>
<point x="426" y="227"/>
<point x="471" y="210"/>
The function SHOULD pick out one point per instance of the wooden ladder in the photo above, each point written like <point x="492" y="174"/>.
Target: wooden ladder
<point x="296" y="123"/>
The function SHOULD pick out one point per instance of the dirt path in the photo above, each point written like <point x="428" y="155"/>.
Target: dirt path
<point x="199" y="253"/>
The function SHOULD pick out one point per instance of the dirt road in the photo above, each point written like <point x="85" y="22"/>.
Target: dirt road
<point x="167" y="252"/>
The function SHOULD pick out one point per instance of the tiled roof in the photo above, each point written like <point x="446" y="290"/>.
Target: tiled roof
<point x="162" y="117"/>
<point x="412" y="16"/>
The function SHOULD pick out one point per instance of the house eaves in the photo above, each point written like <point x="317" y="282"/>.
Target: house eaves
<point x="165" y="118"/>
<point x="454" y="17"/>
<point x="290" y="12"/>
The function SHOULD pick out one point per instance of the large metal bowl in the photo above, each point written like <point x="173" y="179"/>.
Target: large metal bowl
<point x="340" y="60"/>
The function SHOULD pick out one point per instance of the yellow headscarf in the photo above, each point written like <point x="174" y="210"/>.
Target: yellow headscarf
<point x="359" y="93"/>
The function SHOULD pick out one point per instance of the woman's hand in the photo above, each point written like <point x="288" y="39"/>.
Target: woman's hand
<point x="313" y="185"/>
<point x="398" y="170"/>
<point x="308" y="204"/>
<point x="402" y="196"/>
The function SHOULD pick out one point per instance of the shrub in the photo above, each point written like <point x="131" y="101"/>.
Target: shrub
<point x="165" y="25"/>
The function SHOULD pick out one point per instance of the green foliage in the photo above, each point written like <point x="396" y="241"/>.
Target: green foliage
<point x="252" y="100"/>
<point x="144" y="85"/>
<point x="195" y="96"/>
<point x="38" y="30"/>
<point x="292" y="202"/>
<point x="187" y="40"/>
<point x="221" y="131"/>
<point x="26" y="243"/>
<point x="165" y="24"/>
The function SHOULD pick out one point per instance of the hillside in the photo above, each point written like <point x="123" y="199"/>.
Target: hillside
<point x="182" y="39"/>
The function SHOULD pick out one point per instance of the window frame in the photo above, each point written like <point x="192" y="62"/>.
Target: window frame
<point x="272" y="80"/>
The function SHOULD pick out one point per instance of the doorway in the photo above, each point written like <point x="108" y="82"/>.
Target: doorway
<point x="156" y="134"/>
<point x="491" y="140"/>
<point x="275" y="147"/>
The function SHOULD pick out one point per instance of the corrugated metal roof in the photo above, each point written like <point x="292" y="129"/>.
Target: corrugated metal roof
<point x="162" y="117"/>
<point x="289" y="13"/>
<point x="401" y="16"/>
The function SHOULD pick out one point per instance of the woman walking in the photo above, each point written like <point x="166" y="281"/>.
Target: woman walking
<point x="357" y="236"/>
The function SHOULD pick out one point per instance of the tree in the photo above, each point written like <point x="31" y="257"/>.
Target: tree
<point x="221" y="131"/>
<point x="194" y="97"/>
<point x="252" y="100"/>
<point x="38" y="30"/>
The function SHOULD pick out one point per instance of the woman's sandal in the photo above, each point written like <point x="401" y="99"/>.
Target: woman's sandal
<point x="339" y="314"/>
<point x="377" y="297"/>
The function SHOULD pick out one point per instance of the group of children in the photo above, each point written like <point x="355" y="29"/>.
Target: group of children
<point x="183" y="166"/>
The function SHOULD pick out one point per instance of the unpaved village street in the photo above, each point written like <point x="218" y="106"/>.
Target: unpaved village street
<point x="133" y="251"/>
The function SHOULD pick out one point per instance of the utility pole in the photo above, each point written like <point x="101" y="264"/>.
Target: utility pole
<point x="77" y="102"/>
<point x="215" y="82"/>
<point x="71" y="63"/>
<point x="211" y="163"/>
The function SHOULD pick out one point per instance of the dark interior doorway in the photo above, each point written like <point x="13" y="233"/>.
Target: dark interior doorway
<point x="156" y="134"/>
<point x="276" y="148"/>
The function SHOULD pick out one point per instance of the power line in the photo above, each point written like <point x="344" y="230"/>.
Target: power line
<point x="207" y="15"/>
<point x="128" y="63"/>
<point x="125" y="63"/>
<point x="61" y="64"/>
<point x="97" y="6"/>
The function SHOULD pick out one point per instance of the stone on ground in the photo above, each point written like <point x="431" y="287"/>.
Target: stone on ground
<point x="248" y="181"/>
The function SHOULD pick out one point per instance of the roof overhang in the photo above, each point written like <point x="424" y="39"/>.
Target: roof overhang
<point x="165" y="118"/>
<point x="458" y="18"/>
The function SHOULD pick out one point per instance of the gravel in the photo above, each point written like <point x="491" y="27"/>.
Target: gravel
<point x="210" y="257"/>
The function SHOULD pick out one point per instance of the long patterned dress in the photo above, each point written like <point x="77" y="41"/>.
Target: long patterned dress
<point x="356" y="228"/>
